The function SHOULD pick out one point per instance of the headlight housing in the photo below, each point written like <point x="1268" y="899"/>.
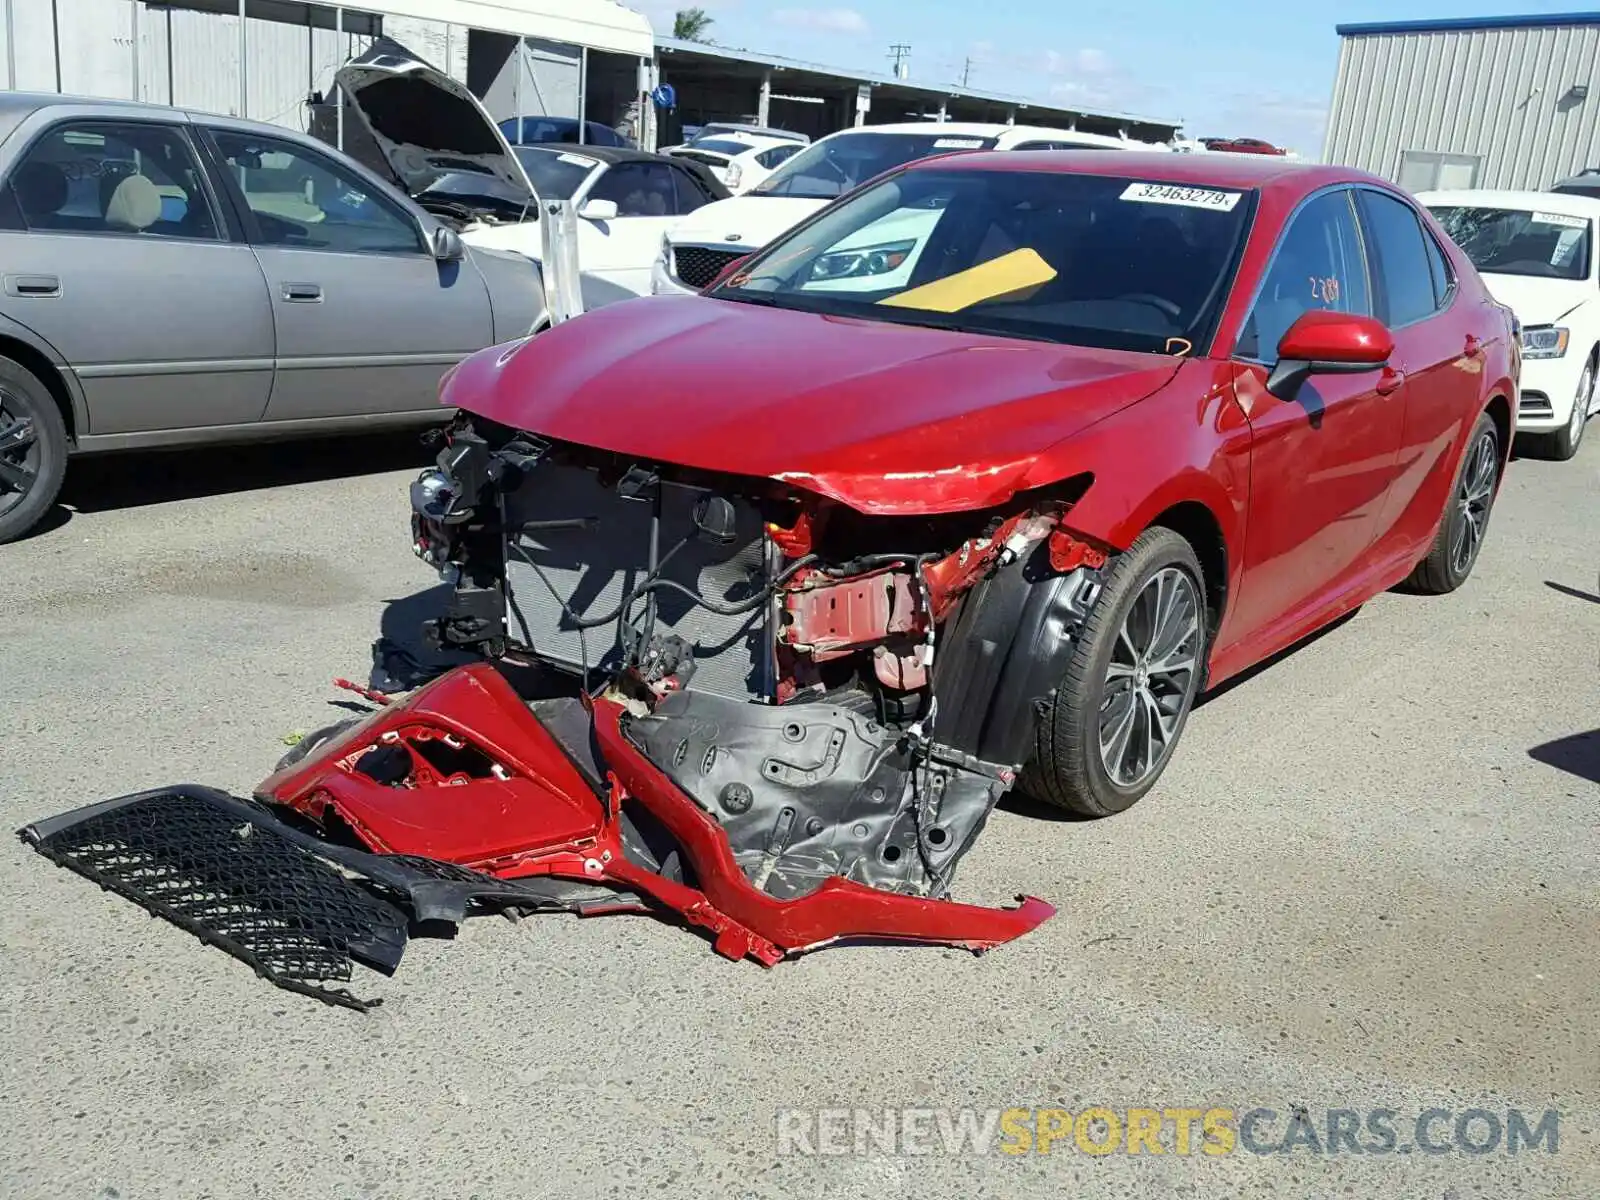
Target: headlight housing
<point x="1544" y="341"/>
<point x="863" y="261"/>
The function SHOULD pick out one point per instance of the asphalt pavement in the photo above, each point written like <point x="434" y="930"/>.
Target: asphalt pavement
<point x="1368" y="882"/>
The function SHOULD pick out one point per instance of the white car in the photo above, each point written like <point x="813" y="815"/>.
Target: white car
<point x="698" y="247"/>
<point x="739" y="160"/>
<point x="1537" y="252"/>
<point x="447" y="152"/>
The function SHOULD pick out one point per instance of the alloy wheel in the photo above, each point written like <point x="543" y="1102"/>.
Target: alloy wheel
<point x="1473" y="499"/>
<point x="19" y="452"/>
<point x="1150" y="680"/>
<point x="1580" y="407"/>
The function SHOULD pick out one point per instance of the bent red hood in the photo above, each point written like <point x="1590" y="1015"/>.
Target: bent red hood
<point x="885" y="418"/>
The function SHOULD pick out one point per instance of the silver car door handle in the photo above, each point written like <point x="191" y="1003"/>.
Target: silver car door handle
<point x="33" y="285"/>
<point x="303" y="293"/>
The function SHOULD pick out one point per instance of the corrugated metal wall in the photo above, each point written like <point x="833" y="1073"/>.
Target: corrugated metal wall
<point x="1503" y="96"/>
<point x="190" y="57"/>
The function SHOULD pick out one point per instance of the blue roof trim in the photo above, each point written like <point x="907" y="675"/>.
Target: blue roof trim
<point x="1457" y="24"/>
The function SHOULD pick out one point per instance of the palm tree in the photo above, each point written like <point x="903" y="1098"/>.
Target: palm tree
<point x="690" y="25"/>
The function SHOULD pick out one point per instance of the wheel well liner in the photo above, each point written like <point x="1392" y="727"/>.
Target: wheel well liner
<point x="1499" y="410"/>
<point x="1198" y="525"/>
<point x="46" y="372"/>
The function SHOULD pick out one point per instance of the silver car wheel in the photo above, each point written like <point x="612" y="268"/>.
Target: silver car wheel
<point x="1473" y="499"/>
<point x="1150" y="679"/>
<point x="1580" y="406"/>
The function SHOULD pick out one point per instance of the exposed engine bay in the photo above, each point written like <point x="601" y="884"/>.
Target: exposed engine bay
<point x="779" y="719"/>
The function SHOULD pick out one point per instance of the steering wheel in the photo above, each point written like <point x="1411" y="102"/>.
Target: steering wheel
<point x="1153" y="301"/>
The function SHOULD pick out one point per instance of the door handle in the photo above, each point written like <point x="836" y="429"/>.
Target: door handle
<point x="33" y="285"/>
<point x="303" y="293"/>
<point x="1389" y="382"/>
<point x="1473" y="348"/>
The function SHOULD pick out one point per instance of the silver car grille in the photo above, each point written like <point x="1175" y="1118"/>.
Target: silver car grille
<point x="592" y="568"/>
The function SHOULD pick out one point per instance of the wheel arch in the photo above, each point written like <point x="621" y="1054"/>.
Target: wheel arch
<point x="47" y="373"/>
<point x="1194" y="521"/>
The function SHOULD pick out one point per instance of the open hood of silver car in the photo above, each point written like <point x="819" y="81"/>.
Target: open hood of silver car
<point x="425" y="123"/>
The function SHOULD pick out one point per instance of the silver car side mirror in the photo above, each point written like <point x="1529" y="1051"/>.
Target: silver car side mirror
<point x="446" y="244"/>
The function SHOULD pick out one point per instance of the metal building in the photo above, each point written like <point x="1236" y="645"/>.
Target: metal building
<point x="274" y="60"/>
<point x="1491" y="102"/>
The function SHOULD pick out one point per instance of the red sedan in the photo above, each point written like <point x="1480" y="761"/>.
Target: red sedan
<point x="1014" y="455"/>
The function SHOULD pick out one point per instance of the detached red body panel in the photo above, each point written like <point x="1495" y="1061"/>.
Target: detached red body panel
<point x="522" y="809"/>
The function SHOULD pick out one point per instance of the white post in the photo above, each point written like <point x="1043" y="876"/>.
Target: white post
<point x="764" y="104"/>
<point x="11" y="47"/>
<point x="136" y="95"/>
<point x="338" y="92"/>
<point x="522" y="65"/>
<point x="244" y="66"/>
<point x="863" y="102"/>
<point x="944" y="110"/>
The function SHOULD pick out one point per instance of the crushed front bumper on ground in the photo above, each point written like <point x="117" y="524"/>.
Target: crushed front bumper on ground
<point x="463" y="797"/>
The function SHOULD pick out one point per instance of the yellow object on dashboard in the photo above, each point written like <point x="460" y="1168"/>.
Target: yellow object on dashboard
<point x="1000" y="277"/>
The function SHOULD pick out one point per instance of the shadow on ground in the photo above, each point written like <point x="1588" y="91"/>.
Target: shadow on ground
<point x="100" y="483"/>
<point x="1577" y="754"/>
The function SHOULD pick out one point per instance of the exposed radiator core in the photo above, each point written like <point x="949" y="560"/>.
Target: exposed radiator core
<point x="593" y="567"/>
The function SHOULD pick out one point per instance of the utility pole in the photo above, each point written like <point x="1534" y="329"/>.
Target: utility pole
<point x="900" y="51"/>
<point x="966" y="71"/>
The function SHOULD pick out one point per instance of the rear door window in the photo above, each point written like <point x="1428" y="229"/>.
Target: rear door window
<point x="1406" y="289"/>
<point x="638" y="189"/>
<point x="112" y="178"/>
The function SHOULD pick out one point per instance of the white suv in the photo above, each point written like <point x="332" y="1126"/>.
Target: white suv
<point x="697" y="248"/>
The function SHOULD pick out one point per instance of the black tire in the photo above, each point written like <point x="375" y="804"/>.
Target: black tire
<point x="31" y="471"/>
<point x="1563" y="444"/>
<point x="1068" y="769"/>
<point x="1446" y="568"/>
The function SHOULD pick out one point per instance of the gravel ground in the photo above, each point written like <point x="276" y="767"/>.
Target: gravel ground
<point x="1368" y="881"/>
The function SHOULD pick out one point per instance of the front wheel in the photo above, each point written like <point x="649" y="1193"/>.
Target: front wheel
<point x="1564" y="442"/>
<point x="1111" y="727"/>
<point x="1466" y="517"/>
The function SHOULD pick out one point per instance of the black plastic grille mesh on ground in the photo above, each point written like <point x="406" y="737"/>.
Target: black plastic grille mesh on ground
<point x="210" y="868"/>
<point x="697" y="266"/>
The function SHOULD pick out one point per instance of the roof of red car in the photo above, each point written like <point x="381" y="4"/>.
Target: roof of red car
<point x="1235" y="171"/>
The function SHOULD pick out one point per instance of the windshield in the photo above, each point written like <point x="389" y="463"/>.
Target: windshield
<point x="838" y="164"/>
<point x="1088" y="260"/>
<point x="470" y="190"/>
<point x="1509" y="241"/>
<point x="555" y="174"/>
<point x="721" y="146"/>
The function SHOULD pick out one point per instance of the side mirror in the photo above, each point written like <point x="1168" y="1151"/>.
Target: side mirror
<point x="727" y="272"/>
<point x="1321" y="342"/>
<point x="445" y="243"/>
<point x="598" y="210"/>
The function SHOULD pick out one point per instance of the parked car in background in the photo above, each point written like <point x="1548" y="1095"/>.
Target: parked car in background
<point x="1133" y="424"/>
<point x="739" y="160"/>
<point x="455" y="161"/>
<point x="526" y="131"/>
<point x="1241" y="145"/>
<point x="1585" y="183"/>
<point x="1537" y="253"/>
<point x="696" y="250"/>
<point x="173" y="278"/>
<point x="717" y="129"/>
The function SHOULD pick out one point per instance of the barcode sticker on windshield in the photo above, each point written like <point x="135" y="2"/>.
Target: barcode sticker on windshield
<point x="958" y="143"/>
<point x="1188" y="197"/>
<point x="1561" y="219"/>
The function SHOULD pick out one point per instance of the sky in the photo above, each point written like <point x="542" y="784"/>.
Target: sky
<point x="1250" y="68"/>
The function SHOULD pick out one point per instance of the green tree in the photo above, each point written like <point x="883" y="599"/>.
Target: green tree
<point x="691" y="24"/>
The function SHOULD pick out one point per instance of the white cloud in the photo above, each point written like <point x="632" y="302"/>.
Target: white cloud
<point x="825" y="20"/>
<point x="1093" y="62"/>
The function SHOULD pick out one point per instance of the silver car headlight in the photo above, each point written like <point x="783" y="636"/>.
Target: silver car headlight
<point x="865" y="260"/>
<point x="1544" y="341"/>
